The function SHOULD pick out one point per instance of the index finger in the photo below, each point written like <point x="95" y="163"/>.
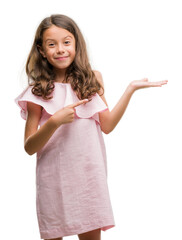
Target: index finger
<point x="78" y="103"/>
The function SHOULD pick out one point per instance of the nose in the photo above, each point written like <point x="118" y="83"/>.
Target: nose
<point x="60" y="49"/>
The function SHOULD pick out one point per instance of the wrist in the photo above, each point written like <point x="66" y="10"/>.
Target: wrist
<point x="54" y="123"/>
<point x="130" y="89"/>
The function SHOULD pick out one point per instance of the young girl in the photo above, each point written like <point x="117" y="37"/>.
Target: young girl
<point x="66" y="113"/>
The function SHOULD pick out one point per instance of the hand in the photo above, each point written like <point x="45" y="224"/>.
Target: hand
<point x="66" y="114"/>
<point x="144" y="83"/>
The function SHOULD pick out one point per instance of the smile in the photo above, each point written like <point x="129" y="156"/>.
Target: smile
<point x="61" y="58"/>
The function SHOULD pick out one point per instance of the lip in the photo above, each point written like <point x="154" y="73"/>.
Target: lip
<point x="61" y="58"/>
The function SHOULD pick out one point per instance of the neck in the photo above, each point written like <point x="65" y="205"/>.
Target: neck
<point x="60" y="75"/>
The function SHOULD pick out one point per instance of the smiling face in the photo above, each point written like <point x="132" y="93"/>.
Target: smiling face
<point x="58" y="47"/>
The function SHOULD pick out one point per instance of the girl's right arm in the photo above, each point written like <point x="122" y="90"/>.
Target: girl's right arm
<point x="36" y="138"/>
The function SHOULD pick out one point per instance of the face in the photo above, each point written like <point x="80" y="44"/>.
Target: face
<point x="58" y="47"/>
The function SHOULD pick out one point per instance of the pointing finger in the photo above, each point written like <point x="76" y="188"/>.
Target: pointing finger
<point x="78" y="103"/>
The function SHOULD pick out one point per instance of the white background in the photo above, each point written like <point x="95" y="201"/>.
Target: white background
<point x="127" y="40"/>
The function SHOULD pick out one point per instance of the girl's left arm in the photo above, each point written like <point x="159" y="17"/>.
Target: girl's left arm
<point x="109" y="119"/>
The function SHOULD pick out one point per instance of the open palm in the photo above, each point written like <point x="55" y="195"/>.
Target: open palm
<point x="144" y="83"/>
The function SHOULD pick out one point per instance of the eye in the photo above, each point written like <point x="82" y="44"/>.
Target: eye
<point x="51" y="44"/>
<point x="67" y="42"/>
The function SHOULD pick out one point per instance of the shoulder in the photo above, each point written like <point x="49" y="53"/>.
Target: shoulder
<point x="33" y="108"/>
<point x="100" y="80"/>
<point x="99" y="77"/>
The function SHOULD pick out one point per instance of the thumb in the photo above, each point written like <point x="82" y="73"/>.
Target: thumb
<point x="144" y="79"/>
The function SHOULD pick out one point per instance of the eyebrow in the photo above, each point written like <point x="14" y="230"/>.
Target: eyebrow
<point x="68" y="36"/>
<point x="49" y="39"/>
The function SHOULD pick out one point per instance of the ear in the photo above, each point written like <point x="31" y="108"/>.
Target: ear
<point x="40" y="49"/>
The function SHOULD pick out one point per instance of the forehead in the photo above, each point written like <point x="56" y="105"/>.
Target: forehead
<point x="55" y="32"/>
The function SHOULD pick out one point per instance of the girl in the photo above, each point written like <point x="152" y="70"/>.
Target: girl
<point x="66" y="113"/>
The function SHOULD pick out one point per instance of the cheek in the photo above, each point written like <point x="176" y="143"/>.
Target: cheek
<point x="48" y="52"/>
<point x="49" y="55"/>
<point x="71" y="49"/>
<point x="73" y="52"/>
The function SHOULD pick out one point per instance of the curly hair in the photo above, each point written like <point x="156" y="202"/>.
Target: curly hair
<point x="79" y="74"/>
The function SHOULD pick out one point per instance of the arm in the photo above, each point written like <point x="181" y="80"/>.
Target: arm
<point x="36" y="138"/>
<point x="109" y="119"/>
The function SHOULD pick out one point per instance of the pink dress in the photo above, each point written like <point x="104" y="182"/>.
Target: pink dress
<point x="72" y="195"/>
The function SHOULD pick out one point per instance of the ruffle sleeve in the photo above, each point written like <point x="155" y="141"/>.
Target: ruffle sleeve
<point x="63" y="95"/>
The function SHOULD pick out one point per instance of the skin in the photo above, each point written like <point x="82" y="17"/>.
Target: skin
<point x="59" y="49"/>
<point x="57" y="44"/>
<point x="109" y="119"/>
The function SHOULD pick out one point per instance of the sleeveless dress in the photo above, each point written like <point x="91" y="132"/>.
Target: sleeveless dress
<point x="72" y="195"/>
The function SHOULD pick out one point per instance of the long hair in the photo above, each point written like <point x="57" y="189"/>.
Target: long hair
<point x="79" y="74"/>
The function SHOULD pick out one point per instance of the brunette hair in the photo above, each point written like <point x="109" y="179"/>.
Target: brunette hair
<point x="79" y="74"/>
